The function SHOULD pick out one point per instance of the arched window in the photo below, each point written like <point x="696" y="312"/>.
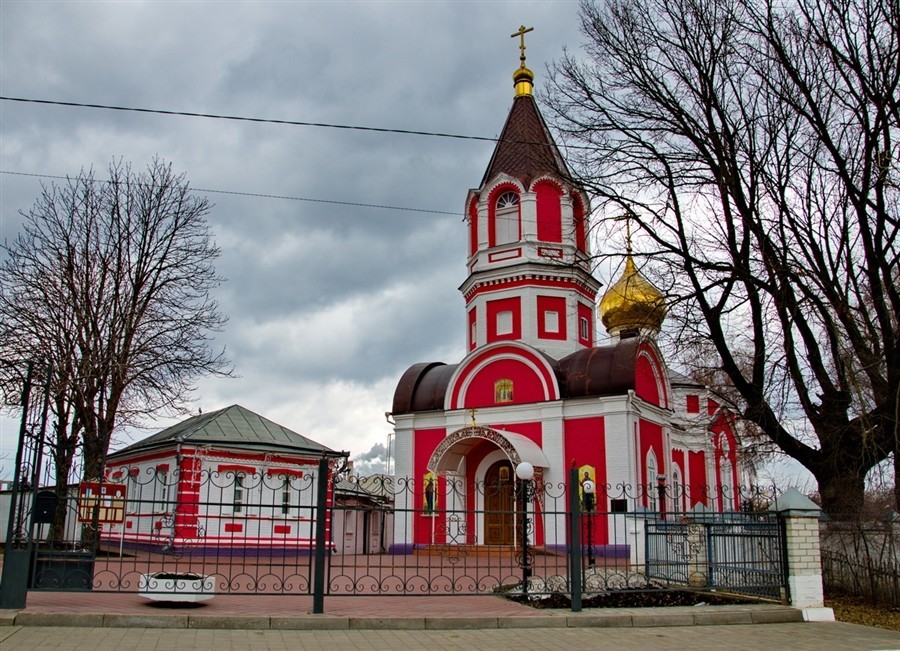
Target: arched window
<point x="650" y="481"/>
<point x="506" y="219"/>
<point x="676" y="489"/>
<point x="726" y="476"/>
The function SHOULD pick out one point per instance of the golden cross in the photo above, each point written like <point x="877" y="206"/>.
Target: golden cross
<point x="628" y="233"/>
<point x="521" y="34"/>
<point x="473" y="410"/>
<point x="627" y="217"/>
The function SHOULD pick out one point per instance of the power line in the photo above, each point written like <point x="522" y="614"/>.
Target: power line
<point x="268" y="196"/>
<point x="239" y="118"/>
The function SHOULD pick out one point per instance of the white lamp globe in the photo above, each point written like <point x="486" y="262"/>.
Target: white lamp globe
<point x="525" y="471"/>
<point x="589" y="487"/>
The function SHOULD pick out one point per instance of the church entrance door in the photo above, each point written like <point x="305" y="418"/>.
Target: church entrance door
<point x="499" y="504"/>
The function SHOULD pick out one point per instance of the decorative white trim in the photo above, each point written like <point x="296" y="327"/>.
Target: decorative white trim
<point x="510" y="254"/>
<point x="550" y="252"/>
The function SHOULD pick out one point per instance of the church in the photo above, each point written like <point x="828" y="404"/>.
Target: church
<point x="535" y="386"/>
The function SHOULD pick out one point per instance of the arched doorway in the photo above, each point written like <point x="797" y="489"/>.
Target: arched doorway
<point x="499" y="504"/>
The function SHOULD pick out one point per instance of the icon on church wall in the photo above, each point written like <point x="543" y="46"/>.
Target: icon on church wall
<point x="503" y="391"/>
<point x="587" y="487"/>
<point x="430" y="502"/>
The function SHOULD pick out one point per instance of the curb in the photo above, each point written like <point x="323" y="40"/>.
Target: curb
<point x="608" y="618"/>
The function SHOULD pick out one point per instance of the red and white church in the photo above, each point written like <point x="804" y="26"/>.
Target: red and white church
<point x="535" y="386"/>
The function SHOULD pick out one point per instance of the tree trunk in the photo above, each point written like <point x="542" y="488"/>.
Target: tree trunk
<point x="897" y="479"/>
<point x="843" y="493"/>
<point x="58" y="528"/>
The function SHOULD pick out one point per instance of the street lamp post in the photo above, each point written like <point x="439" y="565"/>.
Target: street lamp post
<point x="589" y="489"/>
<point x="525" y="475"/>
<point x="661" y="489"/>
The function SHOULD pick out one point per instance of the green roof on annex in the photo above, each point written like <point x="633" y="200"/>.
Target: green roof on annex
<point x="232" y="427"/>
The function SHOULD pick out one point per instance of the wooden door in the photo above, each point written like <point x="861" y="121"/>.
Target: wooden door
<point x="499" y="504"/>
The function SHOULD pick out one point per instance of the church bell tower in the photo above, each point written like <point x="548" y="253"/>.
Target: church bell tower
<point x="529" y="262"/>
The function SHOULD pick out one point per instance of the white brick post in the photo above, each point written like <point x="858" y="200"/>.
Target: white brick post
<point x="800" y="517"/>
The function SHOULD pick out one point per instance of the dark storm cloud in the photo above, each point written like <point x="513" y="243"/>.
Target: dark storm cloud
<point x="328" y="303"/>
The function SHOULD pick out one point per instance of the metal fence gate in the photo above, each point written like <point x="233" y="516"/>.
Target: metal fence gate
<point x="736" y="552"/>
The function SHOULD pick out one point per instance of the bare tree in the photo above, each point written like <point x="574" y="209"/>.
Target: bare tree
<point x="110" y="280"/>
<point x="755" y="143"/>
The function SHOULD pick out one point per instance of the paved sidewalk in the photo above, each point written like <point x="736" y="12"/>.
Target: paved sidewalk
<point x="90" y="609"/>
<point x="830" y="636"/>
<point x="101" y="622"/>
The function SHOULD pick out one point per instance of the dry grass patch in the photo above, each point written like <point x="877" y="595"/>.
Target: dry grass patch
<point x="859" y="611"/>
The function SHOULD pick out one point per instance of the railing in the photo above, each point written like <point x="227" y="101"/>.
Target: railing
<point x="246" y="533"/>
<point x="861" y="557"/>
<point x="742" y="553"/>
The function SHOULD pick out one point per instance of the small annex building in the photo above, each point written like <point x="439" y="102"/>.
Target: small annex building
<point x="224" y="480"/>
<point x="535" y="386"/>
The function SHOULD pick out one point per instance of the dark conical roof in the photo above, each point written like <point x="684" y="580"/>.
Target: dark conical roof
<point x="526" y="149"/>
<point x="234" y="426"/>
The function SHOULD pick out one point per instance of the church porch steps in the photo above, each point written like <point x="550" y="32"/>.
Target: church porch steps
<point x="480" y="551"/>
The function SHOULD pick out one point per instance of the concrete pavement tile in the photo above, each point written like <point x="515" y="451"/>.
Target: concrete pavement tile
<point x="388" y="623"/>
<point x="646" y="620"/>
<point x="600" y="620"/>
<point x="228" y="622"/>
<point x="8" y="617"/>
<point x="711" y="617"/>
<point x="460" y="623"/>
<point x="540" y="621"/>
<point x="80" y="620"/>
<point x="145" y="621"/>
<point x="776" y="616"/>
<point x="317" y="623"/>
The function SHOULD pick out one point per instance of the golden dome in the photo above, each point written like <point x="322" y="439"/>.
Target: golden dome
<point x="632" y="302"/>
<point x="523" y="81"/>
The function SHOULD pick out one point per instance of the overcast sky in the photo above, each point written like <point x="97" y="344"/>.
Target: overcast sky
<point x="328" y="303"/>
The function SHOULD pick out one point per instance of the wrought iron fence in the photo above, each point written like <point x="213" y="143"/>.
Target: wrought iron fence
<point x="739" y="552"/>
<point x="198" y="532"/>
<point x="861" y="557"/>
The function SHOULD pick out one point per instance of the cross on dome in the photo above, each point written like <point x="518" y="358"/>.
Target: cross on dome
<point x="521" y="34"/>
<point x="523" y="78"/>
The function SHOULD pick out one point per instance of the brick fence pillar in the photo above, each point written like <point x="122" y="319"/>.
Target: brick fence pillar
<point x="800" y="516"/>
